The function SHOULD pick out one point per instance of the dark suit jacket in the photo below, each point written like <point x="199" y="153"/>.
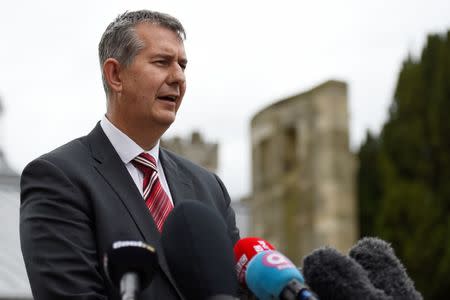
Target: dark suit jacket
<point x="78" y="199"/>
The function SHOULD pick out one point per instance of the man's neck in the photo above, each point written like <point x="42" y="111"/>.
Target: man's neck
<point x="145" y="137"/>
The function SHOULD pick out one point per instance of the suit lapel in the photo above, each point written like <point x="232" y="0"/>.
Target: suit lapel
<point x="113" y="170"/>
<point x="180" y="183"/>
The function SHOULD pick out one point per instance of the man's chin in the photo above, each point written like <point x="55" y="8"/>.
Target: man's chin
<point x="166" y="119"/>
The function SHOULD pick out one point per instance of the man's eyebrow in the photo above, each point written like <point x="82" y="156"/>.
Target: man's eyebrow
<point x="169" y="56"/>
<point x="163" y="55"/>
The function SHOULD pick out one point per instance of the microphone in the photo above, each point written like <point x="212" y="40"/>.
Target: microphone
<point x="130" y="266"/>
<point x="244" y="250"/>
<point x="199" y="253"/>
<point x="334" y="276"/>
<point x="384" y="269"/>
<point x="271" y="275"/>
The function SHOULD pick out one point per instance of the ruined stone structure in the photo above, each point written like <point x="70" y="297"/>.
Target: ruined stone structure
<point x="194" y="149"/>
<point x="304" y="173"/>
<point x="206" y="155"/>
<point x="13" y="278"/>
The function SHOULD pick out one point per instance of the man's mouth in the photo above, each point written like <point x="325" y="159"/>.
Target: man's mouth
<point x="171" y="98"/>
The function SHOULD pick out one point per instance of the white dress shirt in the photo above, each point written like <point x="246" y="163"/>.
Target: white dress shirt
<point x="128" y="150"/>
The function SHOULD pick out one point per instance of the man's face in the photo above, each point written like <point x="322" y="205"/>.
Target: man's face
<point x="154" y="83"/>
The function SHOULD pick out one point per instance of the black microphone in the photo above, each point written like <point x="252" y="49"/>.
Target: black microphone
<point x="130" y="266"/>
<point x="385" y="270"/>
<point x="334" y="276"/>
<point x="199" y="252"/>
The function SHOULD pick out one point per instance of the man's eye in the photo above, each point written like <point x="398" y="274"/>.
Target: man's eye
<point x="161" y="62"/>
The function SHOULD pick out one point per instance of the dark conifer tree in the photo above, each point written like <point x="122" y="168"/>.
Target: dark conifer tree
<point x="407" y="202"/>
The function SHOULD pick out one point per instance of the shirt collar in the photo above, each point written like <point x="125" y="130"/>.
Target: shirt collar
<point x="124" y="145"/>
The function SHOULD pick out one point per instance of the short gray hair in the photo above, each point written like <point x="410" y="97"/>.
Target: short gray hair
<point x="120" y="41"/>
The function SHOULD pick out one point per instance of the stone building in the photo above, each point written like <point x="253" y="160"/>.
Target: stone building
<point x="303" y="182"/>
<point x="206" y="155"/>
<point x="13" y="278"/>
<point x="195" y="149"/>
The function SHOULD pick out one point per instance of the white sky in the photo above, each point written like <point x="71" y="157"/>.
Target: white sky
<point x="243" y="56"/>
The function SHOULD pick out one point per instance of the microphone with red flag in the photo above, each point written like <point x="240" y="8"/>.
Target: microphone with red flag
<point x="244" y="250"/>
<point x="267" y="273"/>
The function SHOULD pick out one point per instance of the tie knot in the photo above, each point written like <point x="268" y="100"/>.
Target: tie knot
<point x="145" y="163"/>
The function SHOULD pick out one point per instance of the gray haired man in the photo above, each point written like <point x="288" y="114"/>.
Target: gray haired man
<point x="83" y="196"/>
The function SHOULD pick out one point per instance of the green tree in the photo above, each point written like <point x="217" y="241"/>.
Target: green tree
<point x="369" y="189"/>
<point x="409" y="198"/>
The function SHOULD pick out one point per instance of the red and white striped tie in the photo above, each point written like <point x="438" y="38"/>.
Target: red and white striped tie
<point x="155" y="197"/>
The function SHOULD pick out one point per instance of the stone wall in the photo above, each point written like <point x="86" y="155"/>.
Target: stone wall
<point x="303" y="183"/>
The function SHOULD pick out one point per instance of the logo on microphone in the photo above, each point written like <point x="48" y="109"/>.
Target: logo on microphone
<point x="262" y="246"/>
<point x="241" y="267"/>
<point x="241" y="263"/>
<point x="274" y="259"/>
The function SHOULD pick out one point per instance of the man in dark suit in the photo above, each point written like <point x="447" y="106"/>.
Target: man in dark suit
<point x="80" y="198"/>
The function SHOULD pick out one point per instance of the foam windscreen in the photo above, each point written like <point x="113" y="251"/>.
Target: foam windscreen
<point x="199" y="251"/>
<point x="269" y="273"/>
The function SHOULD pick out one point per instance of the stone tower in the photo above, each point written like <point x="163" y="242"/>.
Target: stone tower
<point x="206" y="154"/>
<point x="304" y="173"/>
<point x="195" y="149"/>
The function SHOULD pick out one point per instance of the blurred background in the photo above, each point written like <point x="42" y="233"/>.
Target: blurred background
<point x="327" y="120"/>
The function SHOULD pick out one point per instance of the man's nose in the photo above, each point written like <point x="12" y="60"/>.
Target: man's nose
<point x="177" y="75"/>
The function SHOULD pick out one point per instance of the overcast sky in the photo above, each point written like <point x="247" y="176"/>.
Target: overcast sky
<point x="243" y="56"/>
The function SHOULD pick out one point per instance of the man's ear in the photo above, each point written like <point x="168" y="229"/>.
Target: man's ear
<point x="111" y="72"/>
